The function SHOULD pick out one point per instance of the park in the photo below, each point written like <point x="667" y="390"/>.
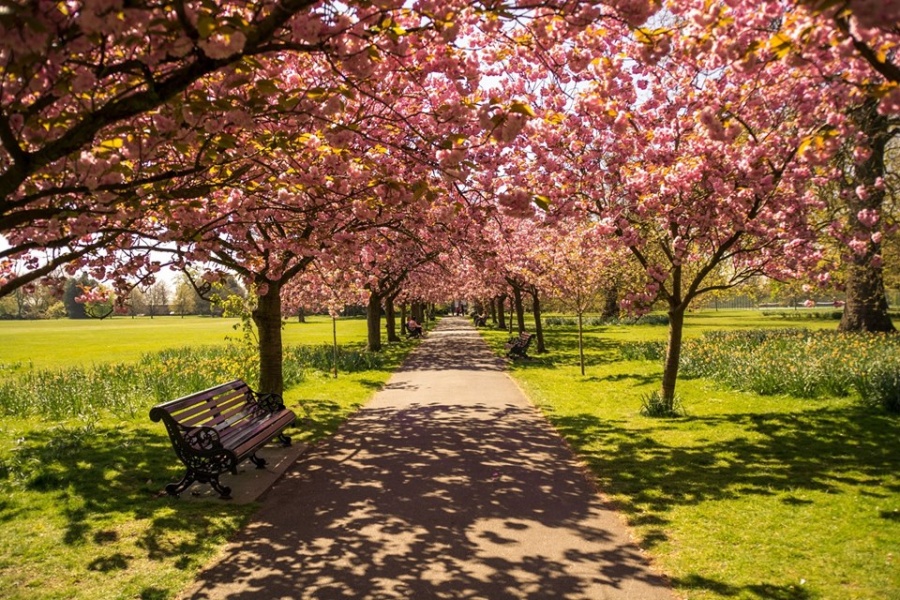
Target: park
<point x="552" y="299"/>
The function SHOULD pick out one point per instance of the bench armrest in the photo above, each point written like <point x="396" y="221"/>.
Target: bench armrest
<point x="268" y="402"/>
<point x="199" y="439"/>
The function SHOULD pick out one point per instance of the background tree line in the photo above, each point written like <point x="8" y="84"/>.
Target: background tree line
<point x="43" y="300"/>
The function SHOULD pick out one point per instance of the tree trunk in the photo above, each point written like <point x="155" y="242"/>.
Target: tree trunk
<point x="520" y="308"/>
<point x="673" y="353"/>
<point x="538" y="327"/>
<point x="493" y="309"/>
<point x="301" y="316"/>
<point x="390" y="318"/>
<point x="267" y="317"/>
<point x="501" y="311"/>
<point x="581" y="342"/>
<point x="867" y="308"/>
<point x="610" y="302"/>
<point x="373" y="322"/>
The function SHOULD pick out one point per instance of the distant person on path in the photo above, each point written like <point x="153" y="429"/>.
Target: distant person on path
<point x="413" y="327"/>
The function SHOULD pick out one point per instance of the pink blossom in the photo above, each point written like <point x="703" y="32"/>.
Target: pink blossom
<point x="867" y="216"/>
<point x="859" y="247"/>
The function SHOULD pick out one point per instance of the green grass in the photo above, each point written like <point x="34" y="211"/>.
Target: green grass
<point x="747" y="497"/>
<point x="67" y="342"/>
<point x="80" y="511"/>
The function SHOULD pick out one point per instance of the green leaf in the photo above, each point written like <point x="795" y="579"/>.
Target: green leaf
<point x="206" y="26"/>
<point x="267" y="87"/>
<point x="542" y="201"/>
<point x="522" y="109"/>
<point x="317" y="93"/>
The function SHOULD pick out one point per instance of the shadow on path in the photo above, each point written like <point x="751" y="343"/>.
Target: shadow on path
<point x="447" y="485"/>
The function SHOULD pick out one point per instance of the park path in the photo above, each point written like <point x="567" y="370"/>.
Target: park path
<point x="448" y="484"/>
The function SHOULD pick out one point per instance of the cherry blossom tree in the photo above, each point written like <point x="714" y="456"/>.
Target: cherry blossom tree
<point x="861" y="176"/>
<point x="105" y="111"/>
<point x="697" y="162"/>
<point x="577" y="269"/>
<point x="852" y="45"/>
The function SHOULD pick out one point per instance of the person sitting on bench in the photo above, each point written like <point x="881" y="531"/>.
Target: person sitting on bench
<point x="413" y="327"/>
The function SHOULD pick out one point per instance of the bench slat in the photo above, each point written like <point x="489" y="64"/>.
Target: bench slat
<point x="206" y="409"/>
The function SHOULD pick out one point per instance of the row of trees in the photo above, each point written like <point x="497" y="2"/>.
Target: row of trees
<point x="389" y="152"/>
<point x="40" y="301"/>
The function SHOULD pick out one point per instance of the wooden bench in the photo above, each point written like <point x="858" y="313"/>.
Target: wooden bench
<point x="215" y="430"/>
<point x="518" y="346"/>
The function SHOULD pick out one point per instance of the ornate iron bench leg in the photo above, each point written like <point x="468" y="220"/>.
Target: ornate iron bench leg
<point x="224" y="490"/>
<point x="284" y="439"/>
<point x="259" y="462"/>
<point x="175" y="488"/>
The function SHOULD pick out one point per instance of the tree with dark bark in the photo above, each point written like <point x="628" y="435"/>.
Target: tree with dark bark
<point x="863" y="191"/>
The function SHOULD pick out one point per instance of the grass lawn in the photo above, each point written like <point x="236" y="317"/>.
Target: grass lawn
<point x="746" y="497"/>
<point x="66" y="342"/>
<point x="80" y="514"/>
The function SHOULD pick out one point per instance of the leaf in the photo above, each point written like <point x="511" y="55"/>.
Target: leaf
<point x="206" y="26"/>
<point x="555" y="118"/>
<point x="267" y="87"/>
<point x="780" y="44"/>
<point x="317" y="93"/>
<point x="542" y="201"/>
<point x="227" y="141"/>
<point x="419" y="188"/>
<point x="522" y="108"/>
<point x="452" y="140"/>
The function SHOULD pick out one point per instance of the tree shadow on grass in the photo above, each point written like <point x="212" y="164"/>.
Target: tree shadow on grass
<point x="817" y="450"/>
<point x="639" y="379"/>
<point x="110" y="470"/>
<point x="764" y="591"/>
<point x="825" y="450"/>
<point x="103" y="482"/>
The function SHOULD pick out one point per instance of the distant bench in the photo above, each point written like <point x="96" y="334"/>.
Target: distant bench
<point x="518" y="346"/>
<point x="215" y="430"/>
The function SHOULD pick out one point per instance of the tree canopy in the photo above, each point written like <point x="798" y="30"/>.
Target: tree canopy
<point x="320" y="149"/>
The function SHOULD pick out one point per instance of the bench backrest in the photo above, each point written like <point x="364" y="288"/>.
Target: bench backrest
<point x="215" y="407"/>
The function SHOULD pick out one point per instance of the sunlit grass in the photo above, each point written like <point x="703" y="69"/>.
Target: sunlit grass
<point x="747" y="496"/>
<point x="67" y="342"/>
<point x="80" y="512"/>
